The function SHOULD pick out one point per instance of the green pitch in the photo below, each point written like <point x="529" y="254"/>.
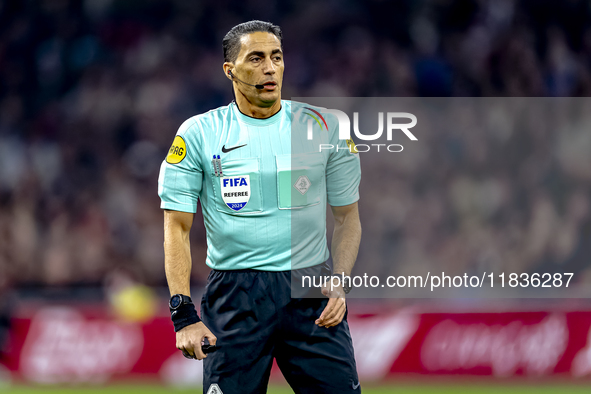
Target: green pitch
<point x="392" y="388"/>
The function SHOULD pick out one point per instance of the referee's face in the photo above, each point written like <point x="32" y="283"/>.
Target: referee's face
<point x="260" y="62"/>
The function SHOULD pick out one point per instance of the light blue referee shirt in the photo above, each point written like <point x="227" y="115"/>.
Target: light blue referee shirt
<point x="266" y="208"/>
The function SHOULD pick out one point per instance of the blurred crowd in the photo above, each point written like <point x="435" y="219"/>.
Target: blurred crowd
<point x="491" y="185"/>
<point x="92" y="92"/>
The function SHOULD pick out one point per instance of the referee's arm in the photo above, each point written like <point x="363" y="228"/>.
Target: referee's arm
<point x="177" y="264"/>
<point x="345" y="245"/>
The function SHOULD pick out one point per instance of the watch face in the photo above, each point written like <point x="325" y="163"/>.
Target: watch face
<point x="175" y="301"/>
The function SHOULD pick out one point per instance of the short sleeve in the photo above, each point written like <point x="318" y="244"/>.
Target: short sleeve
<point x="343" y="175"/>
<point x="181" y="176"/>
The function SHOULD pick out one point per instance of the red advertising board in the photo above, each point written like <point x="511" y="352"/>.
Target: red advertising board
<point x="64" y="344"/>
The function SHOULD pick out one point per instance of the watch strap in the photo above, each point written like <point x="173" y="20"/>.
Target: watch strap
<point x="345" y="284"/>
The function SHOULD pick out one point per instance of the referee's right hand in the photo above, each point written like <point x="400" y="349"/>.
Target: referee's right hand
<point x="190" y="339"/>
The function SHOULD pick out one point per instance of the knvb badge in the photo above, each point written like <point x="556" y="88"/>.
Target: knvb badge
<point x="235" y="191"/>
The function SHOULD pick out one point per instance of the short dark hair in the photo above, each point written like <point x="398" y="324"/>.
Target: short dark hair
<point x="231" y="42"/>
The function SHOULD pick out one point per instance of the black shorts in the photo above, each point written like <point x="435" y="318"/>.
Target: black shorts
<point x="255" y="319"/>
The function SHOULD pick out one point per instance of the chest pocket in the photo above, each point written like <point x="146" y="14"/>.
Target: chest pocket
<point x="239" y="191"/>
<point x="300" y="180"/>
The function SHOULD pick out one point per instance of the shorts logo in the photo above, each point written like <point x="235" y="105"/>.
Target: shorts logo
<point x="235" y="191"/>
<point x="177" y="151"/>
<point x="303" y="184"/>
<point x="214" y="389"/>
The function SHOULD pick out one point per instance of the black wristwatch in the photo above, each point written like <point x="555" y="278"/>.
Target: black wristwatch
<point x="178" y="300"/>
<point x="345" y="284"/>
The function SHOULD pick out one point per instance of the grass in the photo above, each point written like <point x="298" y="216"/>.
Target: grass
<point x="406" y="388"/>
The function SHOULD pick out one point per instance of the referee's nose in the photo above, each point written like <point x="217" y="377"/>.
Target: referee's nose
<point x="269" y="67"/>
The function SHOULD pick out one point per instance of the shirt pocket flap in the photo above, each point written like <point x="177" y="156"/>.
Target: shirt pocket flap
<point x="300" y="180"/>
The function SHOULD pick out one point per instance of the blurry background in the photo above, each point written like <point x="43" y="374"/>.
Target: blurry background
<point x="492" y="185"/>
<point x="92" y="92"/>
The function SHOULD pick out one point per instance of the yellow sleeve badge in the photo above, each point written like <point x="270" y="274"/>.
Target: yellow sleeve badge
<point x="177" y="151"/>
<point x="352" y="147"/>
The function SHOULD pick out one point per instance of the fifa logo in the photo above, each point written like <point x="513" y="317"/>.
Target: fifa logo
<point x="235" y="182"/>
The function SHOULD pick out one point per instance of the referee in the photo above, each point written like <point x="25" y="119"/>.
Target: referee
<point x="264" y="209"/>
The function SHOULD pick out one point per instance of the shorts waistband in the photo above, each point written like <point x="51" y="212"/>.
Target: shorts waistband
<point x="323" y="265"/>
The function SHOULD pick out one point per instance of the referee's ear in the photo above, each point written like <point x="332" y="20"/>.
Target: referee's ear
<point x="228" y="67"/>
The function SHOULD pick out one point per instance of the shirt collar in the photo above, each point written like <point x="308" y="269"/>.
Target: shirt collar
<point x="257" y="121"/>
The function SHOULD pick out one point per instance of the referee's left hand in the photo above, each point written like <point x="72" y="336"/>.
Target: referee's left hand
<point x="335" y="310"/>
